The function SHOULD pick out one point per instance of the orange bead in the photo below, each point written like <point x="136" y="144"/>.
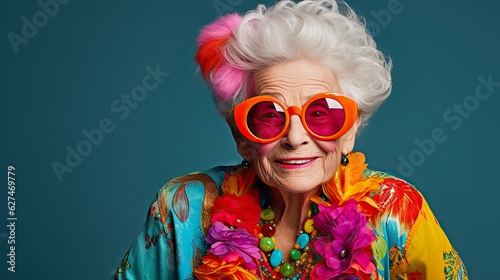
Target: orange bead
<point x="296" y="246"/>
<point x="260" y="235"/>
<point x="306" y="271"/>
<point x="310" y="261"/>
<point x="277" y="269"/>
<point x="263" y="255"/>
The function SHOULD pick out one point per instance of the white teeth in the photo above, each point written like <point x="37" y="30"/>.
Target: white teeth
<point x="302" y="161"/>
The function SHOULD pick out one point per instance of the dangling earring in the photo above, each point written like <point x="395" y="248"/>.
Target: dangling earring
<point x="245" y="163"/>
<point x="344" y="160"/>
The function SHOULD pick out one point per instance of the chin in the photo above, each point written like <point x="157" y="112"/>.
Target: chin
<point x="297" y="185"/>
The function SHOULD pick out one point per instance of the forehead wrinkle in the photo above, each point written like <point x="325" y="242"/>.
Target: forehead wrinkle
<point x="293" y="83"/>
<point x="277" y="85"/>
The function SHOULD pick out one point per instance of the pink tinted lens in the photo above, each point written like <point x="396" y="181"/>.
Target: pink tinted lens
<point x="266" y="119"/>
<point x="325" y="116"/>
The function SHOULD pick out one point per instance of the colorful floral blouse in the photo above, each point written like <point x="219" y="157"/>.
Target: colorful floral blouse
<point x="409" y="242"/>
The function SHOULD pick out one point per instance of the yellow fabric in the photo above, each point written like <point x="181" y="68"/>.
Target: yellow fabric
<point x="428" y="250"/>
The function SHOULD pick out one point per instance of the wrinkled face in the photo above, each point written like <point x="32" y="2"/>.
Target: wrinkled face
<point x="297" y="162"/>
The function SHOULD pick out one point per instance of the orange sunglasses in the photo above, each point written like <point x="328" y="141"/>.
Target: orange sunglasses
<point x="325" y="116"/>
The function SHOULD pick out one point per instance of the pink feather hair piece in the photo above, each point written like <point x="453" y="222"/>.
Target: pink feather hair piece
<point x="226" y="79"/>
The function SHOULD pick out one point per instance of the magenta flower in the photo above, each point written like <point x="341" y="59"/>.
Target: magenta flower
<point x="347" y="277"/>
<point x="227" y="242"/>
<point x="347" y="240"/>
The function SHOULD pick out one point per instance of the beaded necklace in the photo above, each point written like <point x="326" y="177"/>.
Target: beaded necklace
<point x="272" y="265"/>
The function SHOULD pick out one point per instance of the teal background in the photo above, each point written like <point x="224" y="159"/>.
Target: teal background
<point x="65" y="78"/>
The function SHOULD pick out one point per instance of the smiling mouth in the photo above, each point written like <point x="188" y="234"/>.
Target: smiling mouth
<point x="296" y="161"/>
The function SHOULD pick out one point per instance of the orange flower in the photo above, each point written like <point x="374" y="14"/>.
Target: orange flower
<point x="239" y="181"/>
<point x="348" y="183"/>
<point x="213" y="269"/>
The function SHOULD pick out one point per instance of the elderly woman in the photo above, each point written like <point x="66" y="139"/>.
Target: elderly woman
<point x="295" y="82"/>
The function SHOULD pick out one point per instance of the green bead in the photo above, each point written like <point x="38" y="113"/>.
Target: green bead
<point x="267" y="214"/>
<point x="286" y="269"/>
<point x="266" y="244"/>
<point x="315" y="209"/>
<point x="295" y="254"/>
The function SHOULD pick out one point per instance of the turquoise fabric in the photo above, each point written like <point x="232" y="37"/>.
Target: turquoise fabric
<point x="169" y="249"/>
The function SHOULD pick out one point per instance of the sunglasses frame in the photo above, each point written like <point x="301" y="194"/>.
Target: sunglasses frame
<point x="241" y="112"/>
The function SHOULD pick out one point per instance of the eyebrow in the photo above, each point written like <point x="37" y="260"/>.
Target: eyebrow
<point x="269" y="93"/>
<point x="312" y="95"/>
<point x="275" y="94"/>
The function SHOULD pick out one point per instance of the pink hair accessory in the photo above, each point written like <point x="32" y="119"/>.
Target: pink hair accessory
<point x="226" y="80"/>
<point x="221" y="28"/>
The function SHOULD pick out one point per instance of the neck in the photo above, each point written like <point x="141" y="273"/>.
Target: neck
<point x="291" y="209"/>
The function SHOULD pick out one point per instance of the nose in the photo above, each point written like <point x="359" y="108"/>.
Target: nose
<point x="296" y="135"/>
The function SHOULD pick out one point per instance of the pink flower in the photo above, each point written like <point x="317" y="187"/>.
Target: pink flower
<point x="346" y="243"/>
<point x="229" y="242"/>
<point x="348" y="277"/>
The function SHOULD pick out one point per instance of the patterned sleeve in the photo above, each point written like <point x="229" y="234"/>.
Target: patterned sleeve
<point x="150" y="256"/>
<point x="172" y="240"/>
<point x="410" y="243"/>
